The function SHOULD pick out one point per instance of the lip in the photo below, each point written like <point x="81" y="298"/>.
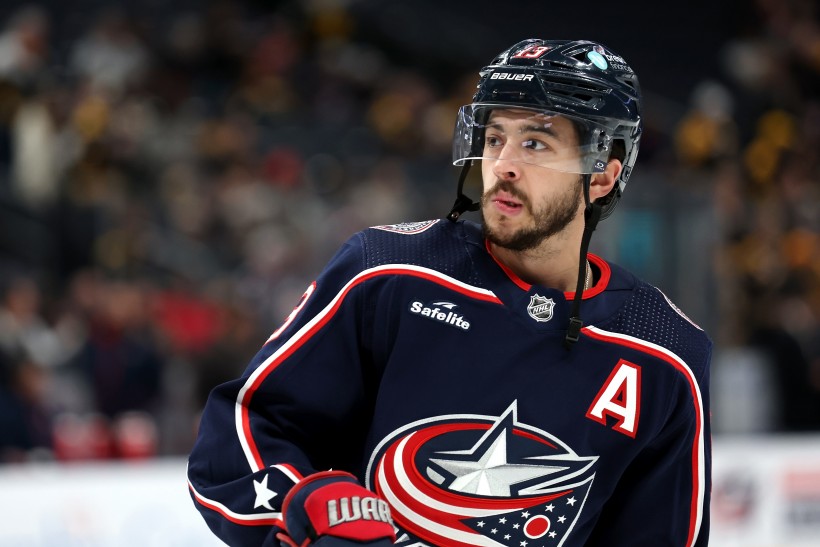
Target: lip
<point x="507" y="204"/>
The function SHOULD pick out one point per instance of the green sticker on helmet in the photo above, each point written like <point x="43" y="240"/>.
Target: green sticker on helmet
<point x="597" y="59"/>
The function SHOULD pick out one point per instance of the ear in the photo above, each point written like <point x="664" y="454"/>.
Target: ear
<point x="602" y="183"/>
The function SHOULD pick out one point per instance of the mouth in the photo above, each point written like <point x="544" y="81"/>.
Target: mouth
<point x="507" y="206"/>
<point x="507" y="202"/>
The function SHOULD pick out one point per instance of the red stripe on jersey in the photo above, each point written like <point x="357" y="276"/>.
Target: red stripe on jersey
<point x="236" y="518"/>
<point x="698" y="486"/>
<point x="289" y="471"/>
<point x="523" y="285"/>
<point x="318" y="322"/>
<point x="595" y="290"/>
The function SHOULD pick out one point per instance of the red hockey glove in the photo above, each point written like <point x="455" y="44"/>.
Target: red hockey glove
<point x="331" y="509"/>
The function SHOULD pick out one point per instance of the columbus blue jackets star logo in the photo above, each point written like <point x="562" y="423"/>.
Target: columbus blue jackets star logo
<point x="452" y="479"/>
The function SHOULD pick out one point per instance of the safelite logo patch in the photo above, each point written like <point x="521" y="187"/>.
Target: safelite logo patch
<point x="442" y="312"/>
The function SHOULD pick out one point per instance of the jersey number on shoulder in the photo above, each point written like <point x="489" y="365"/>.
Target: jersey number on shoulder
<point x="620" y="398"/>
<point x="294" y="313"/>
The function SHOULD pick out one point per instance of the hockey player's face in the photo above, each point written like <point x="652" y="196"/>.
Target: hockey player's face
<point x="523" y="203"/>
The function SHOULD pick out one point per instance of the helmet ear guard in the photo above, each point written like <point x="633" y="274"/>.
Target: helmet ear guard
<point x="474" y="137"/>
<point x="609" y="201"/>
<point x="462" y="203"/>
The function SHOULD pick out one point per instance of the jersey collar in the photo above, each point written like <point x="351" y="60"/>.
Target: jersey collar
<point x="597" y="263"/>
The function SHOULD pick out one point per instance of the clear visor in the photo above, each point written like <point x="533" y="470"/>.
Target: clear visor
<point x="537" y="137"/>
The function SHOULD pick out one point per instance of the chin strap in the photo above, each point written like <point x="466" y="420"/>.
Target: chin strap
<point x="592" y="214"/>
<point x="462" y="203"/>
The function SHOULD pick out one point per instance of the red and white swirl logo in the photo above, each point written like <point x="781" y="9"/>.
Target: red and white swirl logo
<point x="466" y="480"/>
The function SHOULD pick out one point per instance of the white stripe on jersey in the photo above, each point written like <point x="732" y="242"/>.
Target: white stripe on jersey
<point x="268" y="365"/>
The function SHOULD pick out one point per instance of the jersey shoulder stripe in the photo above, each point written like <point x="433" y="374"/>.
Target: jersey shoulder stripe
<point x="315" y="324"/>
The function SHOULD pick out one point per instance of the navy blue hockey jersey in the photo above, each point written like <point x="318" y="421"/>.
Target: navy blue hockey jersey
<point x="419" y="363"/>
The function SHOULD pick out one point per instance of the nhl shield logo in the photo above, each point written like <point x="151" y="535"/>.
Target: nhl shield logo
<point x="540" y="308"/>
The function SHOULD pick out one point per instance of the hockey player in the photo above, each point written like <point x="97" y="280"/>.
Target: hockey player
<point x="443" y="383"/>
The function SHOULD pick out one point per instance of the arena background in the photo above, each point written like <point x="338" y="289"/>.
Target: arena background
<point x="174" y="174"/>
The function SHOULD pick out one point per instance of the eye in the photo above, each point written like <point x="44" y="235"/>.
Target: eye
<point x="533" y="144"/>
<point x="492" y="141"/>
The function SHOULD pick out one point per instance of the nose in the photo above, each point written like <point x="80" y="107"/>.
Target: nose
<point x="505" y="167"/>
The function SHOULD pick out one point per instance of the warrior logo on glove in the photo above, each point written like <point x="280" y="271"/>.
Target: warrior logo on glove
<point x="331" y="507"/>
<point x="355" y="508"/>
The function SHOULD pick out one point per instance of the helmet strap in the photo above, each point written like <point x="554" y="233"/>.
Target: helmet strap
<point x="592" y="214"/>
<point x="462" y="203"/>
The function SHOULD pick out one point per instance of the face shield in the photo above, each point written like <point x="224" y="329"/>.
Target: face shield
<point x="537" y="137"/>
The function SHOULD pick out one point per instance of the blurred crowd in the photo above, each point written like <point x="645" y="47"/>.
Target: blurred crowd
<point x="168" y="191"/>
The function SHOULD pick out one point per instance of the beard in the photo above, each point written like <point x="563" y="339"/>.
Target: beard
<point x="551" y="218"/>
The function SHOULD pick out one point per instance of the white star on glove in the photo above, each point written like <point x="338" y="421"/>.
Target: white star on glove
<point x="263" y="494"/>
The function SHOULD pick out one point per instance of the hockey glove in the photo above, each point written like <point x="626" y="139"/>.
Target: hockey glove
<point x="331" y="509"/>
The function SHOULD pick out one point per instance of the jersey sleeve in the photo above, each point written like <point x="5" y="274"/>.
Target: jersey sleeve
<point x="298" y="408"/>
<point x="663" y="497"/>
